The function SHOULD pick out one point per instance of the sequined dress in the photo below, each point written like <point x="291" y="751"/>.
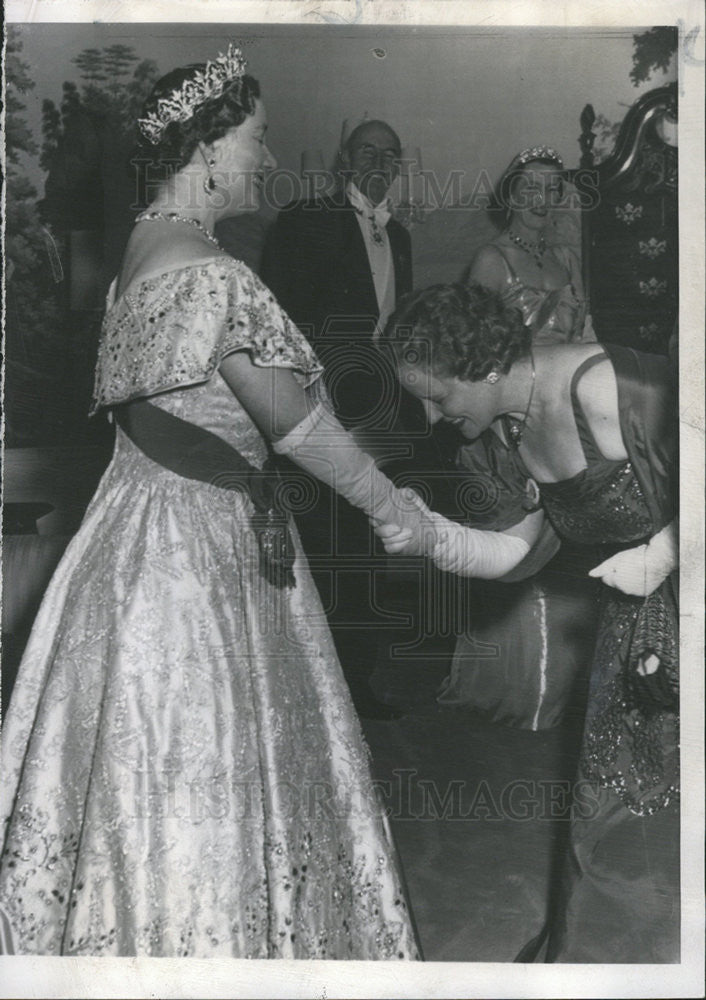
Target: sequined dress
<point x="618" y="899"/>
<point x="183" y="771"/>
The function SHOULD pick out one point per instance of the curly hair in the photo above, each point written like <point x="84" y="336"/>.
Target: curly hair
<point x="500" y="207"/>
<point x="210" y="120"/>
<point x="457" y="330"/>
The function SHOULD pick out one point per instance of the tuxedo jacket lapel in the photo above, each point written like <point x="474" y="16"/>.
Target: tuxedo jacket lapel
<point x="399" y="244"/>
<point x="361" y="286"/>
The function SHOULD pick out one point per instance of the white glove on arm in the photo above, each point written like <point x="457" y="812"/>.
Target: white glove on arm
<point x="463" y="551"/>
<point x="470" y="552"/>
<point x="640" y="571"/>
<point x="321" y="446"/>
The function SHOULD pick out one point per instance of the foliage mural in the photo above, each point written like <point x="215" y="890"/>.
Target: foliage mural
<point x="97" y="118"/>
<point x="32" y="304"/>
<point x="652" y="50"/>
<point x="51" y="337"/>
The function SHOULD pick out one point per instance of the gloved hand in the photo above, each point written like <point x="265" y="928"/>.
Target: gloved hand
<point x="460" y="550"/>
<point x="641" y="570"/>
<point x="320" y="445"/>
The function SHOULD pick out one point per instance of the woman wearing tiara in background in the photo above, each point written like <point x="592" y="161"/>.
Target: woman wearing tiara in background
<point x="525" y="658"/>
<point x="526" y="263"/>
<point x="184" y="770"/>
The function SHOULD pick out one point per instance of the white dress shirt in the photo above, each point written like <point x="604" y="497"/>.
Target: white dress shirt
<point x="373" y="220"/>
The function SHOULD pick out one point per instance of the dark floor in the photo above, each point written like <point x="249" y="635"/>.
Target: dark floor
<point x="475" y="810"/>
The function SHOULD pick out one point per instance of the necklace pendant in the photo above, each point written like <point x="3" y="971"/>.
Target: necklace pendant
<point x="515" y="430"/>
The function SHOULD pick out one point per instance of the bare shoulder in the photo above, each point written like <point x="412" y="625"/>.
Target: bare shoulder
<point x="596" y="387"/>
<point x="149" y="253"/>
<point x="488" y="267"/>
<point x="563" y="366"/>
<point x="597" y="393"/>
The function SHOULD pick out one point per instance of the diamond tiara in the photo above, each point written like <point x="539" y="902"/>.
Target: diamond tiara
<point x="205" y="84"/>
<point x="538" y="152"/>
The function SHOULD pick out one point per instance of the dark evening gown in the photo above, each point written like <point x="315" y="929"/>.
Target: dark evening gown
<point x="618" y="891"/>
<point x="524" y="660"/>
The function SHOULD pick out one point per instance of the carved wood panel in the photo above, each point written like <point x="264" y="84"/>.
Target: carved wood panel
<point x="630" y="227"/>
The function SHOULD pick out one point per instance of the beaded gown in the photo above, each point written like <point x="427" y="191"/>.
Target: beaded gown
<point x="524" y="659"/>
<point x="618" y="890"/>
<point x="184" y="773"/>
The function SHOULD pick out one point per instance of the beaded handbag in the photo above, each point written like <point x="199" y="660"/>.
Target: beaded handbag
<point x="654" y="635"/>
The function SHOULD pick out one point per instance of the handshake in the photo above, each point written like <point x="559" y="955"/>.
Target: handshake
<point x="465" y="551"/>
<point x="452" y="547"/>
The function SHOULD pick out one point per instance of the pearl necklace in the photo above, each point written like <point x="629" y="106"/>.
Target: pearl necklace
<point x="175" y="217"/>
<point x="535" y="250"/>
<point x="517" y="427"/>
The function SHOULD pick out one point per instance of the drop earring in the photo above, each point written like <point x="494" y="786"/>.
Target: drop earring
<point x="209" y="185"/>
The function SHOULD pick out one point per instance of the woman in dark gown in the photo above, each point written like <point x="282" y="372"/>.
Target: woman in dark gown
<point x="591" y="430"/>
<point x="525" y="659"/>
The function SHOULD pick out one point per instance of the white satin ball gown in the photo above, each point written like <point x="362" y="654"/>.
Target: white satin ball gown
<point x="184" y="773"/>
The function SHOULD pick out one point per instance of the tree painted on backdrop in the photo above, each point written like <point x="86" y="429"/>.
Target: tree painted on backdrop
<point x="32" y="267"/>
<point x="92" y="131"/>
<point x="49" y="349"/>
<point x="651" y="51"/>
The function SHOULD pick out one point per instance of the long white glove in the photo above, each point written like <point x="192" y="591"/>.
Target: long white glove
<point x="470" y="552"/>
<point x="640" y="571"/>
<point x="321" y="446"/>
<point x="463" y="551"/>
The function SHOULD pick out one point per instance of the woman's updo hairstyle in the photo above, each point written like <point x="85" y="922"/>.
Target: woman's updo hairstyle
<point x="463" y="331"/>
<point x="500" y="208"/>
<point x="210" y="121"/>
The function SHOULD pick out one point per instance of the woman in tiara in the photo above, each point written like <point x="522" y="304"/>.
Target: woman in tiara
<point x="184" y="773"/>
<point x="527" y="263"/>
<point x="592" y="429"/>
<point x="524" y="660"/>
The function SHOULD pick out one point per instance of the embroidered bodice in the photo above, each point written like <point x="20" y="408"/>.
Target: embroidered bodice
<point x="167" y="334"/>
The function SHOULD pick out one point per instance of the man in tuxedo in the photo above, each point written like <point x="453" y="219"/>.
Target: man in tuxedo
<point x="338" y="265"/>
